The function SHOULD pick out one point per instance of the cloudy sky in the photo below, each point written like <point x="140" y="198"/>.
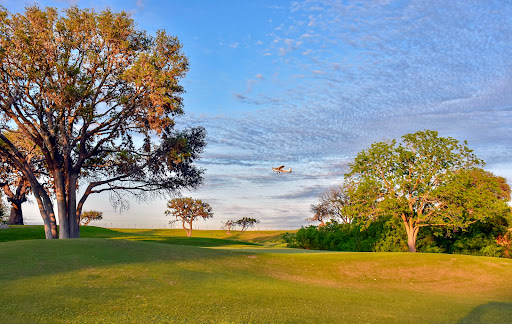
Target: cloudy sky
<point x="308" y="84"/>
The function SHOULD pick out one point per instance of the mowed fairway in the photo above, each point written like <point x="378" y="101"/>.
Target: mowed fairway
<point x="125" y="279"/>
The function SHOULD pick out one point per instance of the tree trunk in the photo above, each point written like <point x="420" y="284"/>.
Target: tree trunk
<point x="412" y="232"/>
<point x="16" y="217"/>
<point x="46" y="210"/>
<point x="188" y="230"/>
<point x="16" y="199"/>
<point x="411" y="242"/>
<point x="62" y="206"/>
<point x="73" y="214"/>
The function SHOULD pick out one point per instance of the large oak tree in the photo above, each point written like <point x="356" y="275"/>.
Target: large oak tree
<point x="423" y="181"/>
<point x="99" y="98"/>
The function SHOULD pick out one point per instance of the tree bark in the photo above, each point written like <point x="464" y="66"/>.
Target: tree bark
<point x="16" y="198"/>
<point x="188" y="230"/>
<point x="46" y="210"/>
<point x="16" y="217"/>
<point x="412" y="233"/>
<point x="411" y="242"/>
<point x="74" y="216"/>
<point x="62" y="206"/>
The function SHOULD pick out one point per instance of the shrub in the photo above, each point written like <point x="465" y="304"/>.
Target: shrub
<point x="489" y="238"/>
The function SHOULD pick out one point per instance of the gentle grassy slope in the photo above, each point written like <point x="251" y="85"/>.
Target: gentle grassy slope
<point x="170" y="236"/>
<point x="17" y="232"/>
<point x="114" y="280"/>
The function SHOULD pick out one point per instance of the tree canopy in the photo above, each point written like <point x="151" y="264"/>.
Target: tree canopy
<point x="99" y="98"/>
<point x="228" y="225"/>
<point x="89" y="216"/>
<point x="246" y="222"/>
<point x="331" y="207"/>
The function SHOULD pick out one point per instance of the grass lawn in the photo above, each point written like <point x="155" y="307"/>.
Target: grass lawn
<point x="130" y="276"/>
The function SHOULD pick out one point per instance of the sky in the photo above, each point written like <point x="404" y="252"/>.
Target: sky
<point x="308" y="84"/>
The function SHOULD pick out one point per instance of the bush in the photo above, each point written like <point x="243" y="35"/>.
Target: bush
<point x="388" y="235"/>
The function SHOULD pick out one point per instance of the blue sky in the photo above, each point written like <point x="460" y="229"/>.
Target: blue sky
<point x="308" y="84"/>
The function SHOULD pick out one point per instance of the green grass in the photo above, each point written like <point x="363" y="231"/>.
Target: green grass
<point x="118" y="276"/>
<point x="169" y="236"/>
<point x="19" y="232"/>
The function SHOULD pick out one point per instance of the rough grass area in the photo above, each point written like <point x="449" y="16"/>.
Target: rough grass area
<point x="116" y="280"/>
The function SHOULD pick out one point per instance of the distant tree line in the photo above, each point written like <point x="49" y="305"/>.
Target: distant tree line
<point x="427" y="193"/>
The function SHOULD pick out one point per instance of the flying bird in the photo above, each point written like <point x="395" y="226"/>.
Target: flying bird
<point x="280" y="169"/>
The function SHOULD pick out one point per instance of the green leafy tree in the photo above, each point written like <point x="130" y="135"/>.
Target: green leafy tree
<point x="246" y="222"/>
<point x="482" y="198"/>
<point x="89" y="216"/>
<point x="410" y="181"/>
<point x="187" y="210"/>
<point x="475" y="192"/>
<point x="98" y="98"/>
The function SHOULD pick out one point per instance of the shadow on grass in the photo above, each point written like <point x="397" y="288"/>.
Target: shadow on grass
<point x="21" y="232"/>
<point x="271" y="239"/>
<point x="493" y="312"/>
<point x="189" y="241"/>
<point x="35" y="232"/>
<point x="30" y="232"/>
<point x="30" y="258"/>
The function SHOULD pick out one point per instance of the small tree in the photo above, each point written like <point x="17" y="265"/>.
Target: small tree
<point x="188" y="210"/>
<point x="228" y="225"/>
<point x="331" y="207"/>
<point x="246" y="222"/>
<point x="89" y="216"/>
